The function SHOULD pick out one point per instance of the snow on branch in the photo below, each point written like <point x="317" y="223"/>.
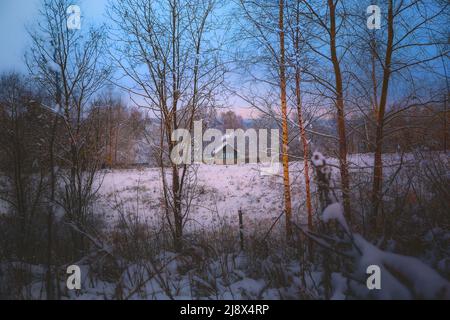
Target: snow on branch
<point x="335" y="211"/>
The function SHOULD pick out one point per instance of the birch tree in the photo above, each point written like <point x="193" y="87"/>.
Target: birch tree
<point x="298" y="50"/>
<point x="407" y="45"/>
<point x="330" y="22"/>
<point x="284" y="117"/>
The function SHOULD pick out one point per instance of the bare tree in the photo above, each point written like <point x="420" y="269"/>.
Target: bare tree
<point x="163" y="50"/>
<point x="330" y="21"/>
<point x="297" y="39"/>
<point x="67" y="63"/>
<point x="264" y="27"/>
<point x="408" y="46"/>
<point x="230" y="120"/>
<point x="21" y="157"/>
<point x="285" y="137"/>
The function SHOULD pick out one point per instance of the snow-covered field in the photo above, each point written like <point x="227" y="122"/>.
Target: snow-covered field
<point x="221" y="191"/>
<point x="203" y="273"/>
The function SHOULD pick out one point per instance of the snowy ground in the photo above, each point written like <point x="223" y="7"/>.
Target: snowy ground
<point x="222" y="191"/>
<point x="225" y="190"/>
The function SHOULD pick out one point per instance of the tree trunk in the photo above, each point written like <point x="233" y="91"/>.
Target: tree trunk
<point x="302" y="126"/>
<point x="378" y="162"/>
<point x="285" y="156"/>
<point x="345" y="179"/>
<point x="176" y="189"/>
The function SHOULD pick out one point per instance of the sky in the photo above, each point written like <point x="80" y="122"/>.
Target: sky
<point x="16" y="14"/>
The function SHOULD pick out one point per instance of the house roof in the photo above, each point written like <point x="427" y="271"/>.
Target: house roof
<point x="224" y="143"/>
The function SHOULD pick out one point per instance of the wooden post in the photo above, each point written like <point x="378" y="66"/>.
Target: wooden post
<point x="241" y="229"/>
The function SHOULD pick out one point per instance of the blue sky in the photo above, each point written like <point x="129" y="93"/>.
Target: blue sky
<point x="15" y="14"/>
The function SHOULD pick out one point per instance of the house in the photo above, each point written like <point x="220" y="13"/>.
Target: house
<point x="229" y="155"/>
<point x="226" y="153"/>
